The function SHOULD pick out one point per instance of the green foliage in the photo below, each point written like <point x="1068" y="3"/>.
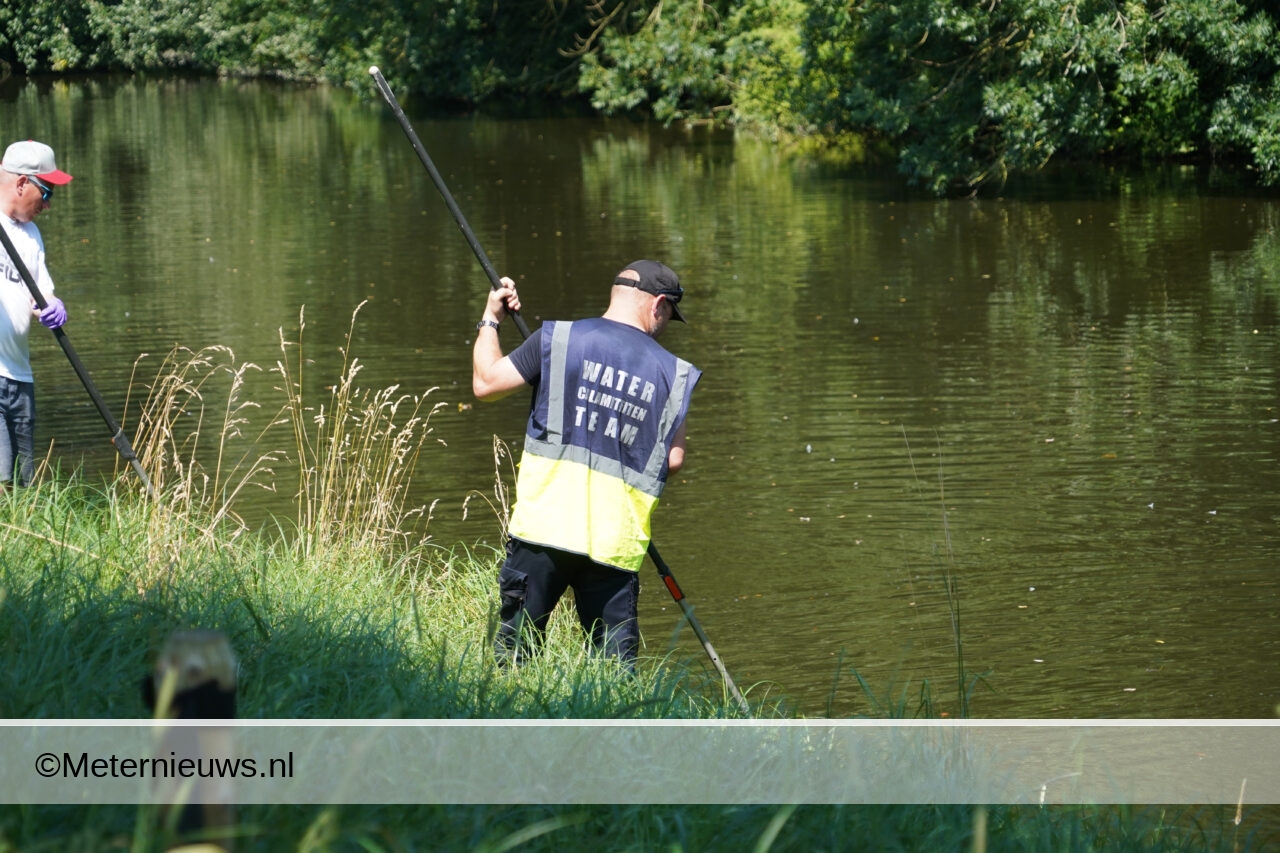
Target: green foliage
<point x="668" y="60"/>
<point x="453" y="49"/>
<point x="49" y="34"/>
<point x="675" y="828"/>
<point x="763" y="61"/>
<point x="463" y="50"/>
<point x="141" y="35"/>
<point x="968" y="93"/>
<point x="433" y="48"/>
<point x="92" y="581"/>
<point x="964" y="93"/>
<point x="696" y="60"/>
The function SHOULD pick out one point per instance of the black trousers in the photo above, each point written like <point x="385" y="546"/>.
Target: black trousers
<point x="531" y="582"/>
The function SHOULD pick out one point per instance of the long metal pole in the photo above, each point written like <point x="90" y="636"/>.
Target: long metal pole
<point x="669" y="580"/>
<point x="664" y="571"/>
<point x="489" y="271"/>
<point x="118" y="438"/>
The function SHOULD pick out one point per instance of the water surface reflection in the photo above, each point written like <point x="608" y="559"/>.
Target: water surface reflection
<point x="1064" y="401"/>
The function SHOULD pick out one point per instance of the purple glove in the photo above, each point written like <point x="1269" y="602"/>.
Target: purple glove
<point x="54" y="314"/>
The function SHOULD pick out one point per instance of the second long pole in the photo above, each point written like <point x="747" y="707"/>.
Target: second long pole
<point x="118" y="438"/>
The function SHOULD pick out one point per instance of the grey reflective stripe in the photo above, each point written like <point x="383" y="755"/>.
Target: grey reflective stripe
<point x="555" y="386"/>
<point x="670" y="414"/>
<point x="646" y="483"/>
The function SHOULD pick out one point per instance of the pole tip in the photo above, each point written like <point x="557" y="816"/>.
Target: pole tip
<point x="373" y="69"/>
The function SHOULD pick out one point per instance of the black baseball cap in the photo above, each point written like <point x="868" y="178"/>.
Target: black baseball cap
<point x="658" y="279"/>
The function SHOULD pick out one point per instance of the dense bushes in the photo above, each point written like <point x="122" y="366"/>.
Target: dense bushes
<point x="962" y="93"/>
<point x="969" y="92"/>
<point x="450" y="49"/>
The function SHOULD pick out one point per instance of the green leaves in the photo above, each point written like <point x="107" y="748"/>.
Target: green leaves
<point x="671" y="60"/>
<point x="44" y="33"/>
<point x="965" y="93"/>
<point x="968" y="94"/>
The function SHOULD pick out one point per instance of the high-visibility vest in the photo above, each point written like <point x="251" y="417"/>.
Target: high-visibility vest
<point x="608" y="405"/>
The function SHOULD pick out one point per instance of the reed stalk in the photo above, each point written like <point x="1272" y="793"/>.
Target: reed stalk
<point x="356" y="454"/>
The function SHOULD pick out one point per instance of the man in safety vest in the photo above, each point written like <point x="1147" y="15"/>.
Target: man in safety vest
<point x="606" y="427"/>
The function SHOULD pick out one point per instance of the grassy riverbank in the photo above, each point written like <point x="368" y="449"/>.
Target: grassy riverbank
<point x="92" y="581"/>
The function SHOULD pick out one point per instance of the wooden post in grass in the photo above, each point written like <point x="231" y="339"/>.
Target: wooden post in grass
<point x="195" y="679"/>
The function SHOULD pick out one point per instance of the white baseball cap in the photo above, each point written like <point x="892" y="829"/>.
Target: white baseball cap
<point x="33" y="158"/>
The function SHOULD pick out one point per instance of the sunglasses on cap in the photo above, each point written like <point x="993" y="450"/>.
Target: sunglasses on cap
<point x="46" y="192"/>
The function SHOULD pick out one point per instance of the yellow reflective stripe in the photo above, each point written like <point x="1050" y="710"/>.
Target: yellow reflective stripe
<point x="566" y="505"/>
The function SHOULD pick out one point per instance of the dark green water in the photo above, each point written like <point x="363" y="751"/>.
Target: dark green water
<point x="1065" y="400"/>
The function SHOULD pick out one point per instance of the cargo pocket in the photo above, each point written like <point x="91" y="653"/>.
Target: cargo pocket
<point x="513" y="588"/>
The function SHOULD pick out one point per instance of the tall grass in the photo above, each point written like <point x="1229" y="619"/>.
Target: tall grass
<point x="504" y="473"/>
<point x="355" y="453"/>
<point x="83" y="611"/>
<point x="192" y="415"/>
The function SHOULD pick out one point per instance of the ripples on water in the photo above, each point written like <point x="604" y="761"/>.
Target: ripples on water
<point x="1064" y="400"/>
<point x="1106" y="508"/>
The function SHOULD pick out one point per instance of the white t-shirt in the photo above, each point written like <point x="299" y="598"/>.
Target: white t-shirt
<point x="16" y="303"/>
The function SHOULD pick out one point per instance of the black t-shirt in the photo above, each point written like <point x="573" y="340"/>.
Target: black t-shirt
<point x="528" y="357"/>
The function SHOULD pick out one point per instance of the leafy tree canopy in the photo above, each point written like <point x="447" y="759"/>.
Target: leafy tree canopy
<point x="963" y="92"/>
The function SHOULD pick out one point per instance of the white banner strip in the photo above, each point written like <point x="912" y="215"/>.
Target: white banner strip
<point x="642" y="762"/>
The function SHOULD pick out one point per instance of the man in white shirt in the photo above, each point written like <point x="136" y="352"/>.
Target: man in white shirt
<point x="28" y="176"/>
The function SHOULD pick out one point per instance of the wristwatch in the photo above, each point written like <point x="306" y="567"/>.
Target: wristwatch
<point x="483" y="323"/>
